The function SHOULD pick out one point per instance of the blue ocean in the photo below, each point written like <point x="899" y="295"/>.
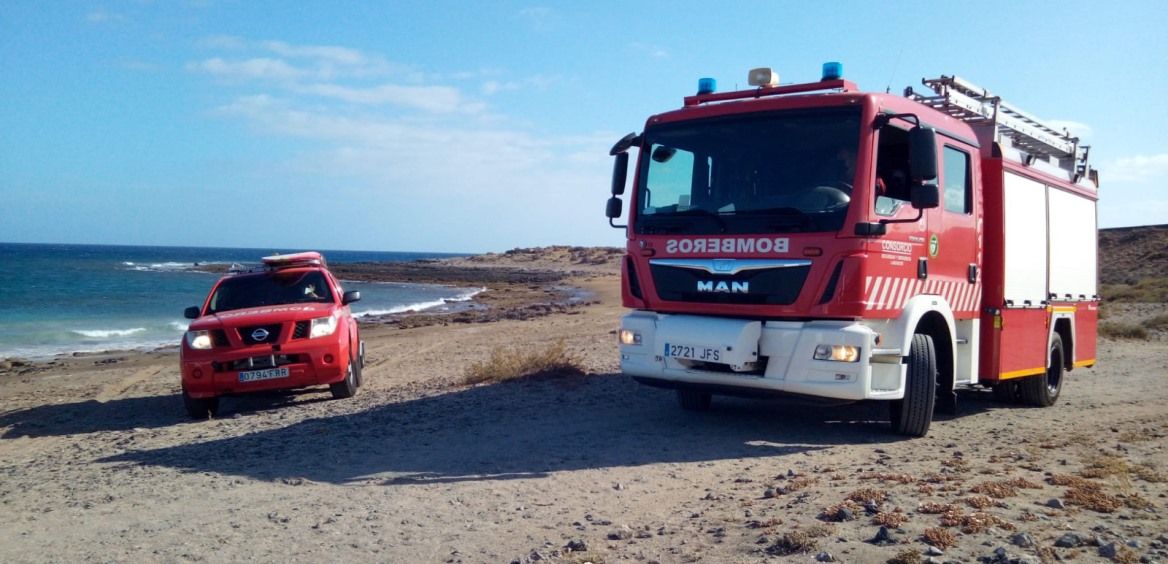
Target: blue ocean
<point x="61" y="299"/>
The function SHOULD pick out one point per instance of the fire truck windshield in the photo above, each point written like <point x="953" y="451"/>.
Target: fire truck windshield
<point x="788" y="171"/>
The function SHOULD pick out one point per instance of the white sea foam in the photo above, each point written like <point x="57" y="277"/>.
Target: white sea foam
<point x="108" y="333"/>
<point x="421" y="306"/>
<point x="178" y="325"/>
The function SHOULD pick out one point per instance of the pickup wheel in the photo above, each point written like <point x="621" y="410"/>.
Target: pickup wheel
<point x="693" y="400"/>
<point x="347" y="388"/>
<point x="1043" y="390"/>
<point x="200" y="408"/>
<point x="912" y="415"/>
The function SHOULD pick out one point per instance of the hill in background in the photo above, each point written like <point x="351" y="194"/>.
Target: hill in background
<point x="1133" y="264"/>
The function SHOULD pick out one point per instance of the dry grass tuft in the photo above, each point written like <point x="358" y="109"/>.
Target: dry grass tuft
<point x="1028" y="516"/>
<point x="509" y="364"/>
<point x="1102" y="466"/>
<point x="939" y="537"/>
<point x="799" y="483"/>
<point x="980" y="521"/>
<point x="1116" y="330"/>
<point x="1020" y="482"/>
<point x="1074" y="482"/>
<point x="1137" y="501"/>
<point x="1126" y="555"/>
<point x="1148" y="473"/>
<point x="819" y="530"/>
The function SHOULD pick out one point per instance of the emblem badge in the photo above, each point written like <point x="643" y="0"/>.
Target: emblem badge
<point x="260" y="334"/>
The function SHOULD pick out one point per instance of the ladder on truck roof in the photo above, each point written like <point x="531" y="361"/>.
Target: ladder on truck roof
<point x="972" y="104"/>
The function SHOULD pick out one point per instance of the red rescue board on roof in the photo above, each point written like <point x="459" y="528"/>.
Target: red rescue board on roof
<point x="308" y="258"/>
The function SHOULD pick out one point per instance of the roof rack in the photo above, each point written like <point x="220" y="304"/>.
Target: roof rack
<point x="972" y="104"/>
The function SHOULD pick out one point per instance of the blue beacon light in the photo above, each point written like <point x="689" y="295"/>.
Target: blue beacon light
<point x="833" y="71"/>
<point x="707" y="86"/>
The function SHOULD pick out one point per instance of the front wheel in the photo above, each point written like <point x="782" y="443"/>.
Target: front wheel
<point x="1043" y="390"/>
<point x="912" y="415"/>
<point x="347" y="388"/>
<point x="200" y="408"/>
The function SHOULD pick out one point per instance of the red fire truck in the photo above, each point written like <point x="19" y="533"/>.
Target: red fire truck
<point x="817" y="240"/>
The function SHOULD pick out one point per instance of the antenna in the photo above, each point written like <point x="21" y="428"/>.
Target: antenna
<point x="895" y="66"/>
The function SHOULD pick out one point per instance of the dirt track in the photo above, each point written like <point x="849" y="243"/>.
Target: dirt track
<point x="98" y="462"/>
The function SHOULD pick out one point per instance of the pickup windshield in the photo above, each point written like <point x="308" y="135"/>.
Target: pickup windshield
<point x="789" y="171"/>
<point x="271" y="288"/>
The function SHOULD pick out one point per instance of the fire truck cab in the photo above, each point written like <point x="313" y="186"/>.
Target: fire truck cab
<point x="817" y="240"/>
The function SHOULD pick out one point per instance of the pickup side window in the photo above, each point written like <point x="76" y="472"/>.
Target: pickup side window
<point x="958" y="192"/>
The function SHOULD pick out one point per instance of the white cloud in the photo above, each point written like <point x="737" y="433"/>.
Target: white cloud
<point x="248" y="69"/>
<point x="1138" y="168"/>
<point x="439" y="99"/>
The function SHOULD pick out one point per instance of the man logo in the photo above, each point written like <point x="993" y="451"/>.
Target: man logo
<point x="733" y="287"/>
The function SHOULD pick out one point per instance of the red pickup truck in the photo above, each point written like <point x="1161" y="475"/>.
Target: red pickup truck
<point x="282" y="326"/>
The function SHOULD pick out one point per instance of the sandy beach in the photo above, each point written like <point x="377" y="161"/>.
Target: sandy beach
<point x="98" y="461"/>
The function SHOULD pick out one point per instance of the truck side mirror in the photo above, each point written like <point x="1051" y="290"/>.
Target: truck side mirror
<point x="925" y="196"/>
<point x="620" y="169"/>
<point x="923" y="153"/>
<point x="191" y="312"/>
<point x="614" y="208"/>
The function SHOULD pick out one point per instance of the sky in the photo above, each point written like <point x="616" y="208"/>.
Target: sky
<point x="483" y="126"/>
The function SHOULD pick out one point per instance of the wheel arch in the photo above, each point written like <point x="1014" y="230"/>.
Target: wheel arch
<point x="932" y="316"/>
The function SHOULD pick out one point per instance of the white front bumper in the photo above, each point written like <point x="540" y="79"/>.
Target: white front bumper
<point x="787" y="347"/>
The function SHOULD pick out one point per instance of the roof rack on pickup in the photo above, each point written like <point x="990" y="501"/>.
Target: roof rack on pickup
<point x="972" y="104"/>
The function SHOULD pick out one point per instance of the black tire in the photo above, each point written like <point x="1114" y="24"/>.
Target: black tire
<point x="693" y="400"/>
<point x="1043" y="390"/>
<point x="1006" y="392"/>
<point x="348" y="387"/>
<point x="200" y="408"/>
<point x="360" y="363"/>
<point x="912" y="415"/>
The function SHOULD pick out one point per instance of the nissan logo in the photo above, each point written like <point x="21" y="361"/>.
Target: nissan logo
<point x="260" y="334"/>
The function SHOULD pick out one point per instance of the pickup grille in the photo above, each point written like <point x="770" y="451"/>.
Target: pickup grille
<point x="248" y="334"/>
<point x="301" y="330"/>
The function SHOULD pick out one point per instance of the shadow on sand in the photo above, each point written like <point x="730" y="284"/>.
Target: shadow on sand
<point x="524" y="429"/>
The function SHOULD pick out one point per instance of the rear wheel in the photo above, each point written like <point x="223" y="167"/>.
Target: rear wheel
<point x="912" y="415"/>
<point x="348" y="387"/>
<point x="200" y="408"/>
<point x="693" y="400"/>
<point x="1043" y="390"/>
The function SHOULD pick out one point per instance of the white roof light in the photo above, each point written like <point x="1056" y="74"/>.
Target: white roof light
<point x="763" y="76"/>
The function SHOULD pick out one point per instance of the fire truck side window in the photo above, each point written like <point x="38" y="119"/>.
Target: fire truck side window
<point x="958" y="195"/>
<point x="892" y="185"/>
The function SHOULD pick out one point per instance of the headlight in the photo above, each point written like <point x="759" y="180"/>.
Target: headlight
<point x="838" y="353"/>
<point x="200" y="340"/>
<point x="628" y="337"/>
<point x="323" y="327"/>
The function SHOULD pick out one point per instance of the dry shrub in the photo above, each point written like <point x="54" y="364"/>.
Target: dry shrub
<point x="980" y="501"/>
<point x="1102" y="466"/>
<point x="836" y="513"/>
<point x="1116" y="330"/>
<point x="956" y="464"/>
<point x="797" y="484"/>
<point x="893" y="519"/>
<point x="795" y="542"/>
<point x="509" y="364"/>
<point x="1020" y="482"/>
<point x="1028" y="516"/>
<point x="934" y="508"/>
<point x="1126" y="555"/>
<point x="906" y="556"/>
<point x="1137" y="501"/>
<point x="939" y="537"/>
<point x="888" y="477"/>
<point x="868" y="495"/>
<point x="999" y="489"/>
<point x="1148" y="473"/>
<point x="980" y="521"/>
<point x="926" y="489"/>
<point x="1074" y="482"/>
<point x="819" y="530"/>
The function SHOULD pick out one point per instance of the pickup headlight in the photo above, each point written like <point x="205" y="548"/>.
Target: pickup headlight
<point x="199" y="340"/>
<point x="323" y="327"/>
<point x="838" y="353"/>
<point x="628" y="337"/>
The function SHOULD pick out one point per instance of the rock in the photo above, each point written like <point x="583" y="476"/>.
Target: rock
<point x="845" y="514"/>
<point x="769" y="493"/>
<point x="1023" y="540"/>
<point x="1056" y="503"/>
<point x="1071" y="540"/>
<point x="934" y="551"/>
<point x="576" y="546"/>
<point x="1109" y="550"/>
<point x="824" y="557"/>
<point x="884" y="537"/>
<point x="1135" y="543"/>
<point x="620" y="534"/>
